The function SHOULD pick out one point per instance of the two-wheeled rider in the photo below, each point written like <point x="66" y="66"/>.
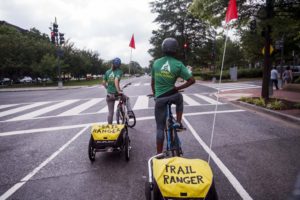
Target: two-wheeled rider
<point x="111" y="82"/>
<point x="165" y="72"/>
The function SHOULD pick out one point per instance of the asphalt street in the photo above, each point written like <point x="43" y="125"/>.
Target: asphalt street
<point x="44" y="139"/>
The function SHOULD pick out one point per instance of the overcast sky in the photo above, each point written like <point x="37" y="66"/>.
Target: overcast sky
<point x="105" y="26"/>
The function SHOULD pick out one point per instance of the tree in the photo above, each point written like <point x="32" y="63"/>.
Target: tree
<point x="274" y="19"/>
<point x="175" y="21"/>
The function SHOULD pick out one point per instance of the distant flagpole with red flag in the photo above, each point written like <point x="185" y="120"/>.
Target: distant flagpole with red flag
<point x="132" y="45"/>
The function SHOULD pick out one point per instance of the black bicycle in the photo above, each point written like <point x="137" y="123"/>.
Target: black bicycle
<point x="122" y="114"/>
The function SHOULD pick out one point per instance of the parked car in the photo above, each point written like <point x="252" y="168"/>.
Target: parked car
<point x="26" y="79"/>
<point x="5" y="81"/>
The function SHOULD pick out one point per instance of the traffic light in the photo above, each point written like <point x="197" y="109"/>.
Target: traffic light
<point x="55" y="29"/>
<point x="185" y="45"/>
<point x="61" y="38"/>
<point x="52" y="37"/>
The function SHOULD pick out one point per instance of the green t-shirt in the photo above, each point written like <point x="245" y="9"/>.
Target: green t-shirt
<point x="165" y="72"/>
<point x="110" y="76"/>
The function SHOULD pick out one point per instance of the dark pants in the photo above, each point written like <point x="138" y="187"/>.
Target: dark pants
<point x="161" y="111"/>
<point x="110" y="100"/>
<point x="275" y="81"/>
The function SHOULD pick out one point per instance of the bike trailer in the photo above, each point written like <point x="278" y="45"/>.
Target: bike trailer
<point x="182" y="178"/>
<point x="107" y="135"/>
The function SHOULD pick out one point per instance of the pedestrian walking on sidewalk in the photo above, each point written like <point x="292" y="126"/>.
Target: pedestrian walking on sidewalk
<point x="274" y="77"/>
<point x="287" y="75"/>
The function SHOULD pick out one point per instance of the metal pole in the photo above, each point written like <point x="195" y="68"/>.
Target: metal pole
<point x="130" y="60"/>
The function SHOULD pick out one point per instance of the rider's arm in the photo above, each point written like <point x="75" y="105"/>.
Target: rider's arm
<point x="189" y="82"/>
<point x="152" y="86"/>
<point x="117" y="84"/>
<point x="104" y="83"/>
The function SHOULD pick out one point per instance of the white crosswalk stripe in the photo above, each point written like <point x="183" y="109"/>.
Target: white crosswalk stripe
<point x="141" y="103"/>
<point x="230" y="86"/>
<point x="22" y="108"/>
<point x="189" y="100"/>
<point x="78" y="109"/>
<point x="207" y="99"/>
<point x="7" y="106"/>
<point x="40" y="110"/>
<point x="43" y="111"/>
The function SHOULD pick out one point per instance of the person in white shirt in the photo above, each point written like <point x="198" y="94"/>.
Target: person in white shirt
<point x="274" y="77"/>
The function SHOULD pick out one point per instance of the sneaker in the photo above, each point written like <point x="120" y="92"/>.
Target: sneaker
<point x="181" y="128"/>
<point x="130" y="114"/>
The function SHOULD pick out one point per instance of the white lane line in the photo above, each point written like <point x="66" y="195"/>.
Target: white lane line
<point x="78" y="109"/>
<point x="18" y="185"/>
<point x="146" y="84"/>
<point x="207" y="99"/>
<point x="20" y="109"/>
<point x="240" y="88"/>
<point x="189" y="100"/>
<point x="231" y="178"/>
<point x="7" y="106"/>
<point x="141" y="103"/>
<point x="42" y="111"/>
<point x="40" y="130"/>
<point x="137" y="84"/>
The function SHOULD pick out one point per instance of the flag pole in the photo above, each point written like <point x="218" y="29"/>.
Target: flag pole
<point x="130" y="59"/>
<point x="219" y="84"/>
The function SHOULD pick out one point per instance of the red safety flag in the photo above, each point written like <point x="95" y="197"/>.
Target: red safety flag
<point x="132" y="43"/>
<point x="231" y="12"/>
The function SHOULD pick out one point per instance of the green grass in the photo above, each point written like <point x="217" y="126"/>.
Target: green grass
<point x="53" y="84"/>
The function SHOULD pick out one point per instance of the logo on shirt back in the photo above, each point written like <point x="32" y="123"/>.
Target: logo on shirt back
<point x="111" y="76"/>
<point x="166" y="67"/>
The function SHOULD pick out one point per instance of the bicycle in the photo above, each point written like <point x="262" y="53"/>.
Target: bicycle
<point x="121" y="113"/>
<point x="152" y="190"/>
<point x="173" y="142"/>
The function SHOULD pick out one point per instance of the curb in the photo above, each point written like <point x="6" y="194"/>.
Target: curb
<point x="282" y="116"/>
<point x="39" y="89"/>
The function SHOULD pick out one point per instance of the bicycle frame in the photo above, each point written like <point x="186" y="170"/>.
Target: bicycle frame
<point x="122" y="105"/>
<point x="173" y="141"/>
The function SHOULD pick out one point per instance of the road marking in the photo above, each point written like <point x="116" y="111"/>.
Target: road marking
<point x="231" y="178"/>
<point x="16" y="110"/>
<point x="146" y="84"/>
<point x="137" y="84"/>
<point x="18" y="185"/>
<point x="207" y="99"/>
<point x="78" y="109"/>
<point x="141" y="103"/>
<point x="48" y="129"/>
<point x="189" y="100"/>
<point x="7" y="106"/>
<point x="42" y="111"/>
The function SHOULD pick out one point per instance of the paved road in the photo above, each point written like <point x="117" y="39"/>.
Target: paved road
<point x="44" y="137"/>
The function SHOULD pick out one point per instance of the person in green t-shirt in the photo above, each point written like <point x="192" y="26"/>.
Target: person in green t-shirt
<point x="111" y="82"/>
<point x="165" y="72"/>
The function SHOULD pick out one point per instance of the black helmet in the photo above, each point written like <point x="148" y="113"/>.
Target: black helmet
<point x="169" y="45"/>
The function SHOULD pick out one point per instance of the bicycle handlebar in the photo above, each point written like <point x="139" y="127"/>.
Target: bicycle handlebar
<point x="126" y="85"/>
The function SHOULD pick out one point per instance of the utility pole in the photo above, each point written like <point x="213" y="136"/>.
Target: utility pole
<point x="267" y="61"/>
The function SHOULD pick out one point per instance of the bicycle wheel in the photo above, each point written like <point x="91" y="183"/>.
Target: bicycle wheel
<point x="131" y="121"/>
<point x="212" y="193"/>
<point x="127" y="148"/>
<point x="92" y="150"/>
<point x="175" y="147"/>
<point x="120" y="115"/>
<point x="148" y="191"/>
